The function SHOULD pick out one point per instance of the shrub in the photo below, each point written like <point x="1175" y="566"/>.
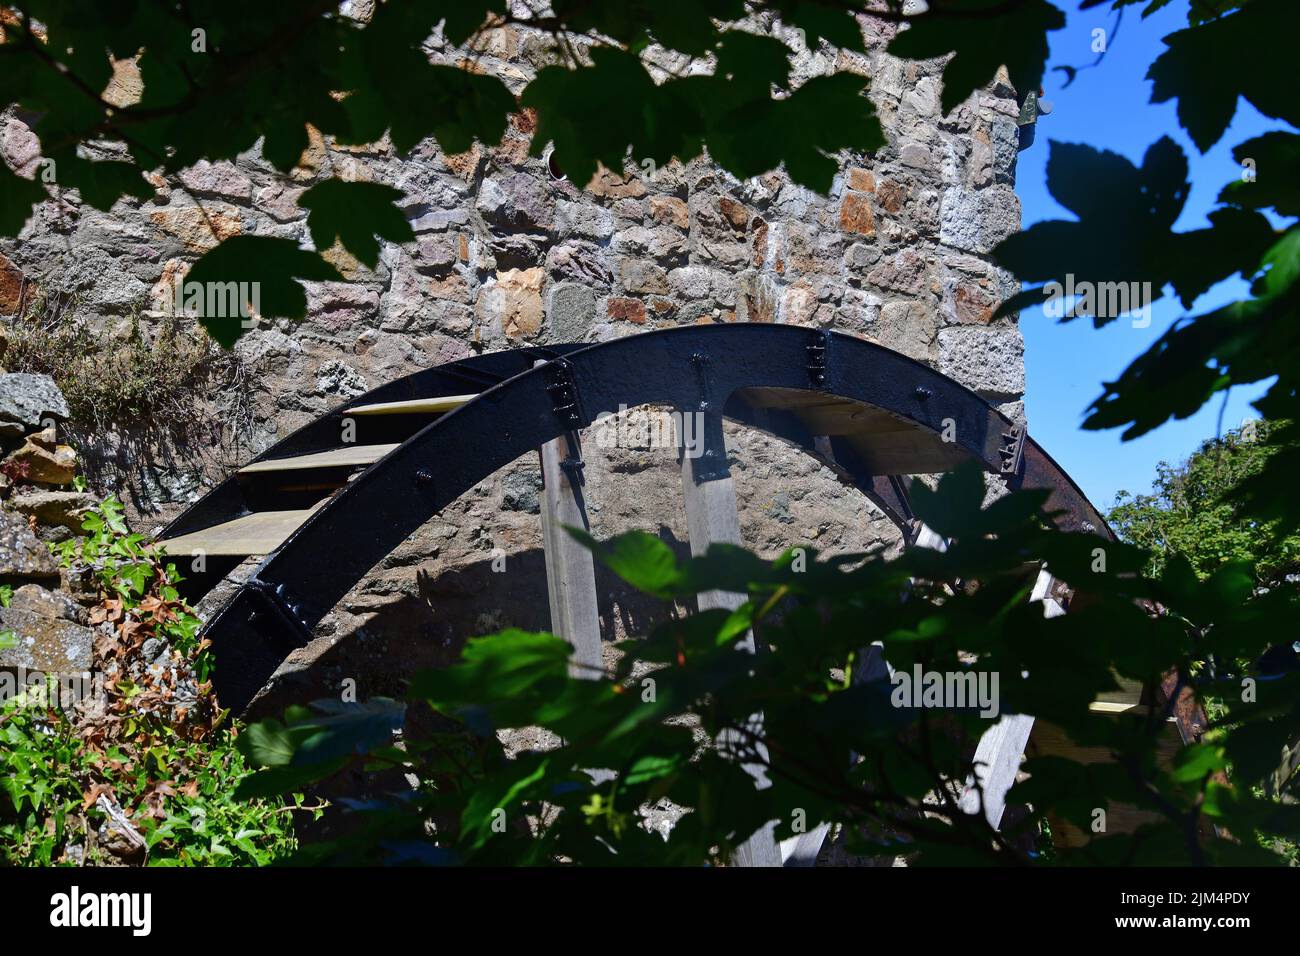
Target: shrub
<point x="675" y="722"/>
<point x="124" y="377"/>
<point x="153" y="758"/>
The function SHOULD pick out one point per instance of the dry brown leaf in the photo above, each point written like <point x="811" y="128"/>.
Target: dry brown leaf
<point x="94" y="793"/>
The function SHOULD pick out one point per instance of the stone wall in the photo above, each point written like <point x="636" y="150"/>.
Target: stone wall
<point x="507" y="253"/>
<point x="43" y="615"/>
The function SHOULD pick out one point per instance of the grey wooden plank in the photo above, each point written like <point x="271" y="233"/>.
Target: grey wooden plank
<point x="346" y="456"/>
<point x="926" y="538"/>
<point x="997" y="761"/>
<point x="711" y="516"/>
<point x="803" y="850"/>
<point x="998" y="754"/>
<point x="441" y="403"/>
<point x="570" y="569"/>
<point x="254" y="534"/>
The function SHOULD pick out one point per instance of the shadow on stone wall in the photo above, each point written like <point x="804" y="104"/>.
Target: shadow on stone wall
<point x="428" y="629"/>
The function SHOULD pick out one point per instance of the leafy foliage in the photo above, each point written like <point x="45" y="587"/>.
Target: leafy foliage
<point x="832" y="747"/>
<point x="178" y="794"/>
<point x="1225" y="53"/>
<point x="672" y="725"/>
<point x="355" y="213"/>
<point x="266" y="264"/>
<point x="147" y="773"/>
<point x="219" y="79"/>
<point x="982" y="35"/>
<point x="1195" y="511"/>
<point x="1213" y="63"/>
<point x="139" y="590"/>
<point x="1124" y="234"/>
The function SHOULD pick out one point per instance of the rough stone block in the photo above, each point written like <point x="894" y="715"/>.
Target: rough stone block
<point x="670" y="211"/>
<point x="976" y="221"/>
<point x="583" y="219"/>
<point x="217" y="179"/>
<point x="28" y="400"/>
<point x="610" y="185"/>
<point x="21" y="554"/>
<point x="512" y="302"/>
<point x="583" y="262"/>
<point x="62" y="508"/>
<point x="908" y="327"/>
<point x="45" y="466"/>
<point x="51" y="645"/>
<point x="645" y="278"/>
<point x="696" y="283"/>
<point x="906" y="272"/>
<point x="856" y="215"/>
<point x="571" y="311"/>
<point x="517" y="201"/>
<point x="12" y="287"/>
<point x="860" y="179"/>
<point x="196" y="231"/>
<point x="988" y="359"/>
<point x="627" y="310"/>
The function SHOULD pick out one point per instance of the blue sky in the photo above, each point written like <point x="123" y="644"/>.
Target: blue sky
<point x="1108" y="107"/>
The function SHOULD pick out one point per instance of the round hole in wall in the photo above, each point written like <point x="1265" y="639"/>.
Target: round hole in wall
<point x="553" y="166"/>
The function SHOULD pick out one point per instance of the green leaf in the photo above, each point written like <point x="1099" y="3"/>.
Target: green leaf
<point x="1121" y="251"/>
<point x="952" y="509"/>
<point x="490" y="803"/>
<point x="1240" y="343"/>
<point x="653" y="768"/>
<point x="1275" y="174"/>
<point x="663" y="125"/>
<point x="17" y="197"/>
<point x="641" y="559"/>
<point x="1282" y="264"/>
<point x="1208" y="66"/>
<point x="278" y="781"/>
<point x="982" y="35"/>
<point x="340" y="729"/>
<point x="268" y="268"/>
<point x="1193" y="763"/>
<point x="100" y="183"/>
<point x="500" y="667"/>
<point x="395" y="87"/>
<point x="464" y="17"/>
<point x="752" y="60"/>
<point x="355" y="213"/>
<point x="685" y="25"/>
<point x="833" y="22"/>
<point x="268" y="743"/>
<point x="825" y="115"/>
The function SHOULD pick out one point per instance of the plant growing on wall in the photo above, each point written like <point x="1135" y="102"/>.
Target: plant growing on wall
<point x="142" y="769"/>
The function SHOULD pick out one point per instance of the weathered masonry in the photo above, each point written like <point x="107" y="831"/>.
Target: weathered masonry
<point x="509" y="254"/>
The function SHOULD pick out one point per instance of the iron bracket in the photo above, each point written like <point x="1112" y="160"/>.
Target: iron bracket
<point x="702" y="364"/>
<point x="275" y="600"/>
<point x="818" y="351"/>
<point x="1012" y="451"/>
<point x="711" y="463"/>
<point x="563" y="390"/>
<point x="572" y="464"/>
